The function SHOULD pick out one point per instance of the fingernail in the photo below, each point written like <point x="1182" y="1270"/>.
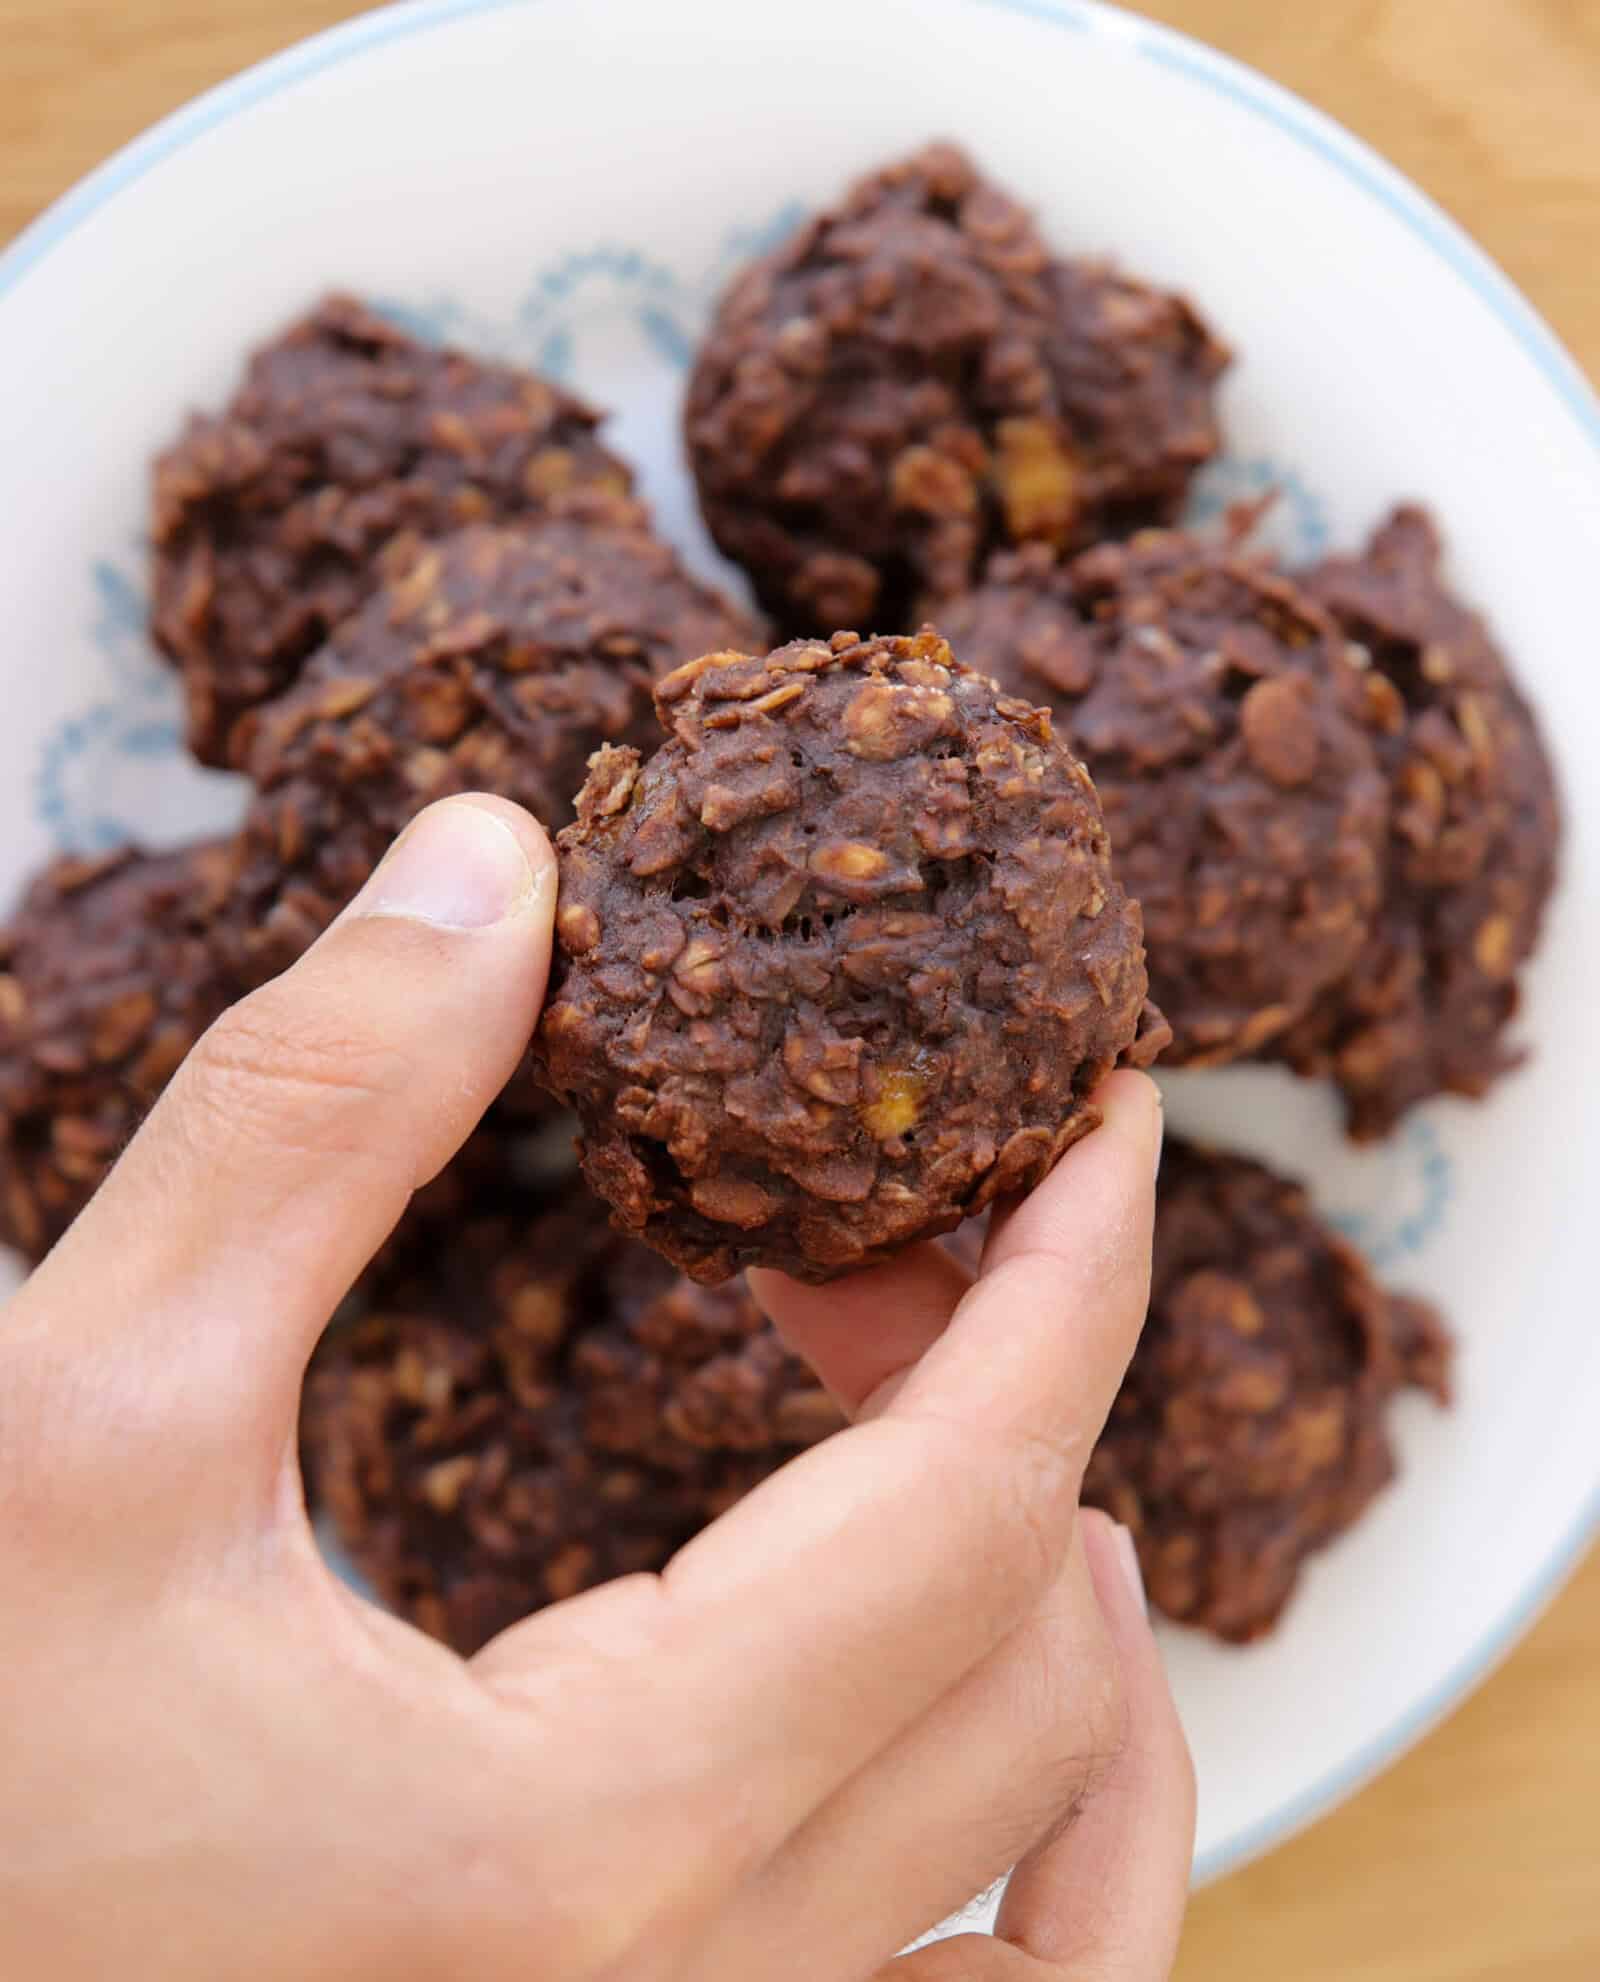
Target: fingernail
<point x="1161" y="1128"/>
<point x="1128" y="1563"/>
<point x="456" y="866"/>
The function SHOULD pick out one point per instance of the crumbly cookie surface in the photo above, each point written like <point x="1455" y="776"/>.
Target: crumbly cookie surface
<point x="1473" y="843"/>
<point x="1251" y="1427"/>
<point x="1220" y="714"/>
<point x="914" y="379"/>
<point x="269" y="517"/>
<point x="494" y="660"/>
<point x="841" y="962"/>
<point x="108" y="975"/>
<point x="531" y="1405"/>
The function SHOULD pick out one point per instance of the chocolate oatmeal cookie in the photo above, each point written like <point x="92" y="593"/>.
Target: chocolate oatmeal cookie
<point x="108" y="976"/>
<point x="1475" y="829"/>
<point x="527" y="1409"/>
<point x="345" y="432"/>
<point x="1219" y="712"/>
<point x="840" y="963"/>
<point x="1250" y="1429"/>
<point x="912" y="379"/>
<point x="492" y="660"/>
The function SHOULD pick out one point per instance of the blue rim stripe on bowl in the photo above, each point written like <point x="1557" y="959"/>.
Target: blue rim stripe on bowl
<point x="1293" y="118"/>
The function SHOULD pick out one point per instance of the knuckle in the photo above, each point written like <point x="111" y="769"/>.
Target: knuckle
<point x="1041" y="1477"/>
<point x="1087" y="1763"/>
<point x="1083" y="1717"/>
<point x="533" y="1886"/>
<point x="268" y="1073"/>
<point x="1019" y="1487"/>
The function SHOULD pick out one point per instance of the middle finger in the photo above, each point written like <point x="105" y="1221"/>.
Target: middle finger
<point x="951" y="1806"/>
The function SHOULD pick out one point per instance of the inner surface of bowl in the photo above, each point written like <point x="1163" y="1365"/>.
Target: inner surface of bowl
<point x="571" y="185"/>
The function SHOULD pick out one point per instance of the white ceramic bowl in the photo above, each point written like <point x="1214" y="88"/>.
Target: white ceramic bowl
<point x="571" y="180"/>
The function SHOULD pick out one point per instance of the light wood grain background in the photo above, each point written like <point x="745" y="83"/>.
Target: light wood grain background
<point x="1478" y="1857"/>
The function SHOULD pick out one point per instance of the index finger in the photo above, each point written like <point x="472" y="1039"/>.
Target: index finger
<point x="818" y="1620"/>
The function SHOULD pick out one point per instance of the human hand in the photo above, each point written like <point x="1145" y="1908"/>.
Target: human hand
<point x="902" y="1664"/>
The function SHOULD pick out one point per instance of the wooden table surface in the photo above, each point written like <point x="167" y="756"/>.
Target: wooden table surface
<point x="1479" y="1855"/>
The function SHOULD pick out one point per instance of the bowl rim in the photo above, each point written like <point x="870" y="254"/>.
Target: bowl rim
<point x="1257" y="96"/>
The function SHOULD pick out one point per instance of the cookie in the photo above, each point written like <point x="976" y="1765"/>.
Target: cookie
<point x="268" y="518"/>
<point x="1219" y="712"/>
<point x="844" y="960"/>
<point x="913" y="379"/>
<point x="1474" y="836"/>
<point x="494" y="660"/>
<point x="1251" y="1427"/>
<point x="531" y="1405"/>
<point x="108" y="975"/>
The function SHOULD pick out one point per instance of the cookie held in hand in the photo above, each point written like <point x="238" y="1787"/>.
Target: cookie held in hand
<point x="839" y="964"/>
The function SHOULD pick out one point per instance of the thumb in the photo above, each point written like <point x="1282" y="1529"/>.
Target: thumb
<point x="288" y="1144"/>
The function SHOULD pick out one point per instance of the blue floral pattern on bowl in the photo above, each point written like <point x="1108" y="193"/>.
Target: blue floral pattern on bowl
<point x="1413" y="1200"/>
<point x="1294" y="521"/>
<point x="116" y="769"/>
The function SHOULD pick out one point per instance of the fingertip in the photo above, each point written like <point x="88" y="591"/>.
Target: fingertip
<point x="1101" y="1195"/>
<point x="1119" y="1589"/>
<point x="1131" y="1107"/>
<point x="770" y="1288"/>
<point x="860" y="1332"/>
<point x="1114" y="1565"/>
<point x="529" y="832"/>
<point x="463" y="864"/>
